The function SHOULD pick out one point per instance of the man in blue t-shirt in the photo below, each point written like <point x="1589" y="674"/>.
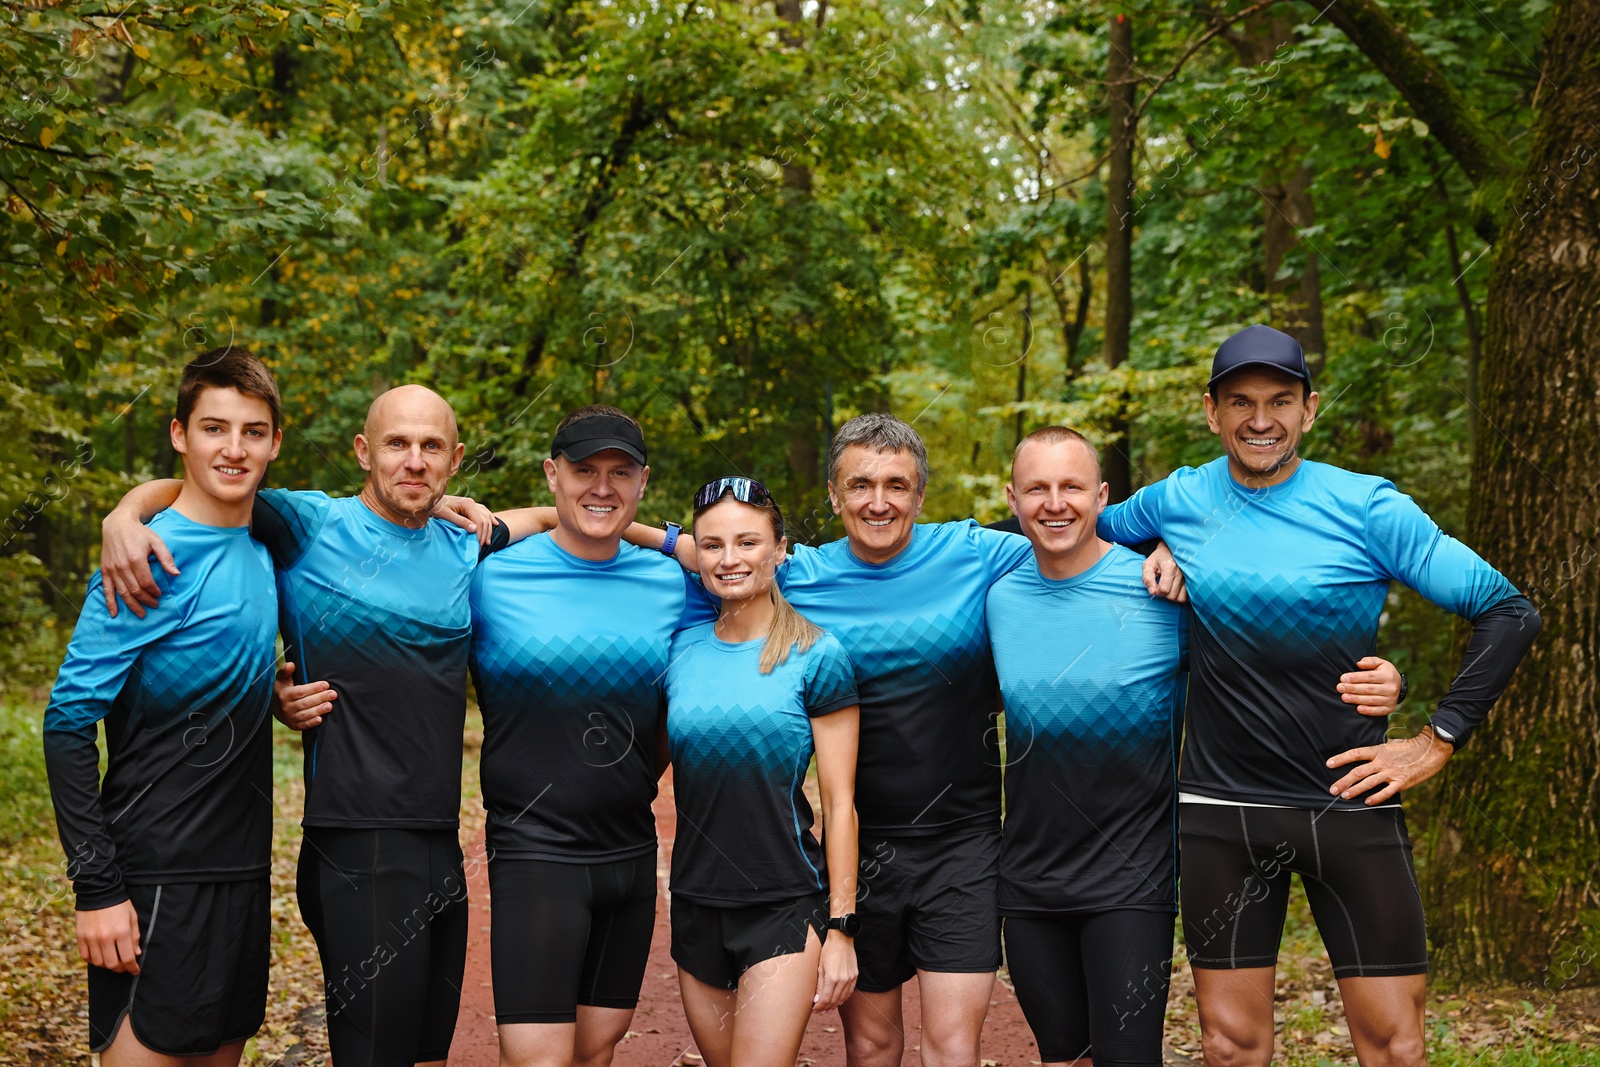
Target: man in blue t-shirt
<point x="1288" y="564"/>
<point x="373" y="604"/>
<point x="169" y="856"/>
<point x="1091" y="673"/>
<point x="906" y="600"/>
<point x="571" y="635"/>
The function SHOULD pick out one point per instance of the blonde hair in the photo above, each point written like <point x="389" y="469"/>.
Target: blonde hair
<point x="789" y="628"/>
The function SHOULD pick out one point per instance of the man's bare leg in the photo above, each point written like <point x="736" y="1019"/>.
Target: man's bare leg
<point x="1235" y="1015"/>
<point x="874" y="1029"/>
<point x="589" y="1042"/>
<point x="953" y="1009"/>
<point x="126" y="1050"/>
<point x="1386" y="1017"/>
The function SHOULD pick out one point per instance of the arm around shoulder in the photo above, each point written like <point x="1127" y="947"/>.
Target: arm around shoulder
<point x="126" y="545"/>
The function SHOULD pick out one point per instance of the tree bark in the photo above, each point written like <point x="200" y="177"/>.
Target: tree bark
<point x="1513" y="875"/>
<point x="1517" y="881"/>
<point x="1120" y="87"/>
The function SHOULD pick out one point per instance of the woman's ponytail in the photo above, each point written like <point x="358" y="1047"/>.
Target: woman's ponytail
<point x="789" y="628"/>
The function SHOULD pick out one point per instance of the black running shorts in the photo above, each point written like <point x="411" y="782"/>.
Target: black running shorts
<point x="202" y="980"/>
<point x="1355" y="865"/>
<point x="1094" y="984"/>
<point x="389" y="911"/>
<point x="718" y="945"/>
<point x="565" y="934"/>
<point x="927" y="903"/>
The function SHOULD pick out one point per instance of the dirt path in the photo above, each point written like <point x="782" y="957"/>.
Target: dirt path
<point x="660" y="1036"/>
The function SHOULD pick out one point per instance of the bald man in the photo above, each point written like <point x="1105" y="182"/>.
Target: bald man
<point x="373" y="602"/>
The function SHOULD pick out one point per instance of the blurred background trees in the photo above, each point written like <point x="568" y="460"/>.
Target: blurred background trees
<point x="747" y="222"/>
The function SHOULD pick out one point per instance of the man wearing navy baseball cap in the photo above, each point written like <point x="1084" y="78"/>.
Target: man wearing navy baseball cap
<point x="571" y="631"/>
<point x="1288" y="563"/>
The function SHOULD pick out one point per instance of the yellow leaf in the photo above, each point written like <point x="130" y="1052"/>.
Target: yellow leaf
<point x="1382" y="147"/>
<point x="260" y="194"/>
<point x="61" y="249"/>
<point x="140" y="50"/>
<point x="46" y="135"/>
<point x="187" y="217"/>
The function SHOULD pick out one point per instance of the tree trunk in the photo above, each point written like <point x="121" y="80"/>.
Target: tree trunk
<point x="1287" y="209"/>
<point x="1513" y="873"/>
<point x="805" y="432"/>
<point x="1296" y="297"/>
<point x="1469" y="312"/>
<point x="1120" y="79"/>
<point x="1074" y="315"/>
<point x="1022" y="364"/>
<point x="1515" y="882"/>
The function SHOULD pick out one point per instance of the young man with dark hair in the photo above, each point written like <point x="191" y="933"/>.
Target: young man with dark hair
<point x="170" y="854"/>
<point x="374" y="605"/>
<point x="1288" y="564"/>
<point x="571" y="635"/>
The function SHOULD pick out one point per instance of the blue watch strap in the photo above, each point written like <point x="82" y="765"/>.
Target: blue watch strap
<point x="671" y="543"/>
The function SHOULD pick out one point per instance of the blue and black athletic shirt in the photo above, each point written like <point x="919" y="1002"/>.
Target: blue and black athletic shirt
<point x="569" y="657"/>
<point x="186" y="696"/>
<point x="1287" y="585"/>
<point x="741" y="743"/>
<point x="1091" y="669"/>
<point x="381" y="612"/>
<point x="914" y="629"/>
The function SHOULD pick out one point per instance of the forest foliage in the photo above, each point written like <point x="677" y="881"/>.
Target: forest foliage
<point x="742" y="222"/>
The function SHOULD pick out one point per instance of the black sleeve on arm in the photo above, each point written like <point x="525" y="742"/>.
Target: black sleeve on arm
<point x="72" y="763"/>
<point x="499" y="537"/>
<point x="1501" y="636"/>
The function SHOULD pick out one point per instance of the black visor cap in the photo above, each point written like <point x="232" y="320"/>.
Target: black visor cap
<point x="582" y="439"/>
<point x="1260" y="346"/>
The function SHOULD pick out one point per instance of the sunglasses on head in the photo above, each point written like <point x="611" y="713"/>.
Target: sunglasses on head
<point x="744" y="490"/>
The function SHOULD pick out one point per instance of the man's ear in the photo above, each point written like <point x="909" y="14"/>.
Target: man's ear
<point x="363" y="452"/>
<point x="644" y="480"/>
<point x="455" y="461"/>
<point x="1311" y="411"/>
<point x="1011" y="498"/>
<point x="180" y="440"/>
<point x="277" y="443"/>
<point x="833" y="499"/>
<point x="1209" y="403"/>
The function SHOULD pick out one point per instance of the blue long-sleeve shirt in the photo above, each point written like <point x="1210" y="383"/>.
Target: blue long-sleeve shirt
<point x="1287" y="585"/>
<point x="185" y="694"/>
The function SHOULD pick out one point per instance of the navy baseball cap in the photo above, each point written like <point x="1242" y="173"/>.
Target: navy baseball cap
<point x="1260" y="346"/>
<point x="582" y="439"/>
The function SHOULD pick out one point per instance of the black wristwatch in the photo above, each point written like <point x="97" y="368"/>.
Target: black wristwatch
<point x="1405" y="687"/>
<point x="848" y="924"/>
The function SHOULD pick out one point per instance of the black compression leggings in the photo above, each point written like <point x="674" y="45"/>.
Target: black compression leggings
<point x="1095" y="984"/>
